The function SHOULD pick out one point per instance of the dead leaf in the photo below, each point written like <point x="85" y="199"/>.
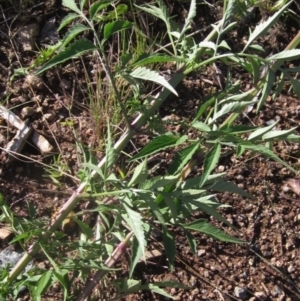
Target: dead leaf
<point x="294" y="185"/>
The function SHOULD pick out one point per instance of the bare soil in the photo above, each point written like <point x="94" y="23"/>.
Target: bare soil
<point x="268" y="268"/>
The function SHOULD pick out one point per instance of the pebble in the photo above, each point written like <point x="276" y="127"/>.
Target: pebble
<point x="201" y="252"/>
<point x="241" y="293"/>
<point x="260" y="295"/>
<point x="27" y="112"/>
<point x="33" y="81"/>
<point x="291" y="268"/>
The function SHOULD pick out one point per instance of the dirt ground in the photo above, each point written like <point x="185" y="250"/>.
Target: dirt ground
<point x="268" y="268"/>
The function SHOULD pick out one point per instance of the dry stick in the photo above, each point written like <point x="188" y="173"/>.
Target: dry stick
<point x="74" y="199"/>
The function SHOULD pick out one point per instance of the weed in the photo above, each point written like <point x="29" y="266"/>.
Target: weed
<point x="128" y="205"/>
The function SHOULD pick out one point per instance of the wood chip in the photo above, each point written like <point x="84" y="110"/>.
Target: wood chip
<point x="5" y="232"/>
<point x="294" y="185"/>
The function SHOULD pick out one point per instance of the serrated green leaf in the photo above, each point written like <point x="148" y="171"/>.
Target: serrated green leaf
<point x="202" y="226"/>
<point x="120" y="10"/>
<point x="169" y="245"/>
<point x="72" y="6"/>
<point x="189" y="19"/>
<point x="93" y="167"/>
<point x="82" y="4"/>
<point x="72" y="33"/>
<point x="277" y="134"/>
<point x="134" y="219"/>
<point x="109" y="151"/>
<point x="235" y="106"/>
<point x="74" y="50"/>
<point x="255" y="63"/>
<point x="150" y="58"/>
<point x="156" y="289"/>
<point x="97" y="6"/>
<point x="182" y="157"/>
<point x="154" y="207"/>
<point x="267" y="152"/>
<point x="296" y="86"/>
<point x="229" y="12"/>
<point x="158" y="144"/>
<point x="127" y="286"/>
<point x="210" y="162"/>
<point x="158" y="182"/>
<point x="203" y="127"/>
<point x="208" y="44"/>
<point x="147" y="74"/>
<point x="267" y="88"/>
<point x="140" y="174"/>
<point x="114" y="27"/>
<point x="224" y="186"/>
<point x="285" y="55"/>
<point x="209" y="207"/>
<point x="160" y="12"/>
<point x="171" y="204"/>
<point x="43" y="284"/>
<point x="136" y="254"/>
<point x="291" y="137"/>
<point x="191" y="240"/>
<point x="257" y="134"/>
<point x="263" y="27"/>
<point x="257" y="48"/>
<point x="66" y="20"/>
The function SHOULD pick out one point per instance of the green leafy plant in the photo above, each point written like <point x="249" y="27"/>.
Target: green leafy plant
<point x="130" y="206"/>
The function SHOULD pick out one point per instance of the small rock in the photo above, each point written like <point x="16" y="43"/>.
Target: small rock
<point x="41" y="142"/>
<point x="27" y="112"/>
<point x="291" y="268"/>
<point x="260" y="295"/>
<point x="33" y="81"/>
<point x="201" y="252"/>
<point x="241" y="293"/>
<point x="49" y="116"/>
<point x="65" y="84"/>
<point x="28" y="36"/>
